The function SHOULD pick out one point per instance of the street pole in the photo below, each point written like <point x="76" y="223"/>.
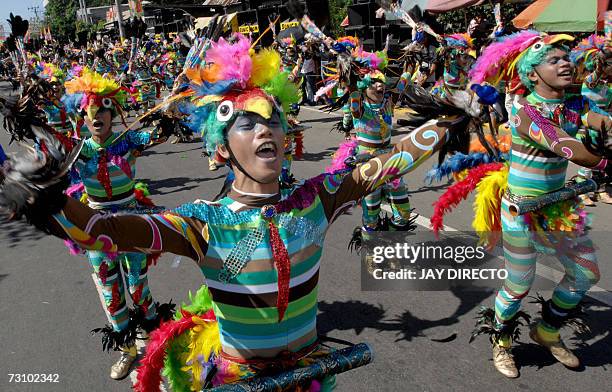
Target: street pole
<point x="119" y="19"/>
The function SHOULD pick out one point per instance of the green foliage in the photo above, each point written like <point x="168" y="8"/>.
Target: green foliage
<point x="337" y="13"/>
<point x="61" y="16"/>
<point x="458" y="20"/>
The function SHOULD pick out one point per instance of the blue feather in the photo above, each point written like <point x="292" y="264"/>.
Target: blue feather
<point x="72" y="102"/>
<point x="457" y="163"/>
<point x="217" y="88"/>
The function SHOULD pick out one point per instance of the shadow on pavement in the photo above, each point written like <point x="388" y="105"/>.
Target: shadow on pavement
<point x="177" y="182"/>
<point x="321" y="120"/>
<point x="317" y="156"/>
<point x="358" y="315"/>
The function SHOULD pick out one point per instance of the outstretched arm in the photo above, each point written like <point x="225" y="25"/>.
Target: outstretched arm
<point x="405" y="156"/>
<point x="155" y="233"/>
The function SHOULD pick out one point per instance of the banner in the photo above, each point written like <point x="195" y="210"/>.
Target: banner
<point x="136" y="8"/>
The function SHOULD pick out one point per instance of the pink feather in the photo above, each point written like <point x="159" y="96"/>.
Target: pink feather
<point x="345" y="150"/>
<point x="75" y="188"/>
<point x="458" y="192"/>
<point x="233" y="60"/>
<point x="497" y="56"/>
<point x="324" y="90"/>
<point x="151" y="364"/>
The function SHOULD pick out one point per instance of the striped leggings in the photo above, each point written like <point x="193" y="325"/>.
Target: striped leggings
<point x="396" y="195"/>
<point x="579" y="263"/>
<point x="110" y="278"/>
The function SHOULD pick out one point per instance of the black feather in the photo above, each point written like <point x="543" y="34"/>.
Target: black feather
<point x="19" y="26"/>
<point x="486" y="325"/>
<point x="164" y="312"/>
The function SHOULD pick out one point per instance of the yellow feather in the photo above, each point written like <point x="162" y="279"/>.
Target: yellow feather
<point x="204" y="341"/>
<point x="266" y="65"/>
<point x="487" y="205"/>
<point x="91" y="82"/>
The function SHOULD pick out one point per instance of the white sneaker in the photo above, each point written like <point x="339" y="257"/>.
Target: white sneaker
<point x="121" y="368"/>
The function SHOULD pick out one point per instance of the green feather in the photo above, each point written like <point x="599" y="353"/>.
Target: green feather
<point x="180" y="381"/>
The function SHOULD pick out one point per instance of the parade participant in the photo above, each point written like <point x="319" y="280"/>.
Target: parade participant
<point x="589" y="56"/>
<point x="458" y="55"/>
<point x="544" y="129"/>
<point x="54" y="109"/>
<point x="369" y="112"/>
<point x="258" y="248"/>
<point x="107" y="170"/>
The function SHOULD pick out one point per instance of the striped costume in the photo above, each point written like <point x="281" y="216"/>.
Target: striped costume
<point x="265" y="310"/>
<point x="544" y="139"/>
<point x="107" y="172"/>
<point x="372" y="124"/>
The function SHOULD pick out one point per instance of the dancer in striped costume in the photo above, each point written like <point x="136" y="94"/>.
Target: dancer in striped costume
<point x="107" y="169"/>
<point x="545" y="137"/>
<point x="259" y="248"/>
<point x="589" y="56"/>
<point x="458" y="54"/>
<point x="369" y="112"/>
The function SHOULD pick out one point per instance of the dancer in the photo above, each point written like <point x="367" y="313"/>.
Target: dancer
<point x="544" y="129"/>
<point x="458" y="55"/>
<point x="369" y="112"/>
<point x="259" y="249"/>
<point x="107" y="169"/>
<point x="589" y="56"/>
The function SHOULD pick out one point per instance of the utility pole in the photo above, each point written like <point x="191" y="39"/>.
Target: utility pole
<point x="119" y="19"/>
<point x="35" y="25"/>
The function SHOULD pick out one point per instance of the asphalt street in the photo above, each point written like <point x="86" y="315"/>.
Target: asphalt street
<point x="48" y="302"/>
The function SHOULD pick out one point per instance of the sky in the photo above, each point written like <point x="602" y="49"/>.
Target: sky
<point x="18" y="7"/>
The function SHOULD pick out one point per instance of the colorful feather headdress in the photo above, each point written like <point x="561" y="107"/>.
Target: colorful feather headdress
<point x="372" y="60"/>
<point x="346" y="44"/>
<point x="50" y="72"/>
<point x="513" y="57"/>
<point x="91" y="91"/>
<point x="587" y="49"/>
<point x="461" y="43"/>
<point x="234" y="79"/>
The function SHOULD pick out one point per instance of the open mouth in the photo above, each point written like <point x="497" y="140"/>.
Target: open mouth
<point x="98" y="124"/>
<point x="267" y="150"/>
<point x="565" y="74"/>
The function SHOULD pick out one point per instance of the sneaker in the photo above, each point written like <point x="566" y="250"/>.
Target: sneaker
<point x="503" y="360"/>
<point x="212" y="165"/>
<point x="586" y="200"/>
<point x="557" y="349"/>
<point x="604" y="197"/>
<point x="121" y="368"/>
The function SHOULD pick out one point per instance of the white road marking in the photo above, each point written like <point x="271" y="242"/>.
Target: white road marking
<point x="542" y="270"/>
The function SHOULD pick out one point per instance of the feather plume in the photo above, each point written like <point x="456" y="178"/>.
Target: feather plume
<point x="458" y="192"/>
<point x="179" y="380"/>
<point x="233" y="60"/>
<point x="345" y="150"/>
<point x="324" y="90"/>
<point x="286" y="92"/>
<point x="493" y="63"/>
<point x="487" y="205"/>
<point x="456" y="163"/>
<point x="204" y="342"/>
<point x="149" y="377"/>
<point x="266" y="64"/>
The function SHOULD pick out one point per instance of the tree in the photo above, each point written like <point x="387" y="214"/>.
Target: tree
<point x="337" y="13"/>
<point x="61" y="16"/>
